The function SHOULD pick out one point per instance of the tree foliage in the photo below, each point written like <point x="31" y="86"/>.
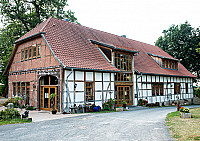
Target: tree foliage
<point x="19" y="17"/>
<point x="182" y="43"/>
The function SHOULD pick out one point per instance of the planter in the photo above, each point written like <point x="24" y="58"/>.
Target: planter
<point x="185" y="115"/>
<point x="124" y="105"/>
<point x="54" y="111"/>
<point x="119" y="109"/>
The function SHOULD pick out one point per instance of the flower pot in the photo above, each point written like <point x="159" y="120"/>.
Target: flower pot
<point x="185" y="115"/>
<point x="124" y="105"/>
<point x="54" y="111"/>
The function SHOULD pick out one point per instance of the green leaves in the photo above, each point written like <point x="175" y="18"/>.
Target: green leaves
<point x="182" y="42"/>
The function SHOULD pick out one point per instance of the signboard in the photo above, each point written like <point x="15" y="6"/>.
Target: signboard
<point x="49" y="72"/>
<point x="46" y="95"/>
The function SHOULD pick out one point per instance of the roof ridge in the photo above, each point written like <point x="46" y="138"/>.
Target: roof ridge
<point x="45" y="24"/>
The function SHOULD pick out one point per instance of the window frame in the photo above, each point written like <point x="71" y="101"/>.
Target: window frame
<point x="123" y="61"/>
<point x="158" y="85"/>
<point x="177" y="88"/>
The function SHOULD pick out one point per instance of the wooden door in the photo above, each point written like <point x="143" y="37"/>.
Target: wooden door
<point x="124" y="94"/>
<point x="45" y="101"/>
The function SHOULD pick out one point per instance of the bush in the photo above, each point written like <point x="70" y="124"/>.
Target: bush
<point x="142" y="102"/>
<point x="9" y="114"/>
<point x="30" y="108"/>
<point x="12" y="100"/>
<point x="108" y="104"/>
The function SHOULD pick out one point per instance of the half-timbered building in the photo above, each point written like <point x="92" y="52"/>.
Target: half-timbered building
<point x="83" y="65"/>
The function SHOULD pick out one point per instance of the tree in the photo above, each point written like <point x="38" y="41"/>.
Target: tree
<point x="19" y="17"/>
<point x="29" y="13"/>
<point x="182" y="42"/>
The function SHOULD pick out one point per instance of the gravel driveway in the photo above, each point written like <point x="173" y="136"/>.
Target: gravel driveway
<point x="144" y="125"/>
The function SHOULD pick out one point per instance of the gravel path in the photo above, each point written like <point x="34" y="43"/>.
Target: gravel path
<point x="139" y="125"/>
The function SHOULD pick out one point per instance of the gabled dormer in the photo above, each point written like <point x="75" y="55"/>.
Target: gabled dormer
<point x="164" y="62"/>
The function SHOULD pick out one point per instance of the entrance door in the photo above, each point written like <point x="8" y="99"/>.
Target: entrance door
<point x="124" y="94"/>
<point x="45" y="102"/>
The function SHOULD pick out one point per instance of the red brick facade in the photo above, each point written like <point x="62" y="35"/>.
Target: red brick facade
<point x="27" y="70"/>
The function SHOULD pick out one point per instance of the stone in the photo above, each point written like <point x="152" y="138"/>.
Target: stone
<point x="185" y="115"/>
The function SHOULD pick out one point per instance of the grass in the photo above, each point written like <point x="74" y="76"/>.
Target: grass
<point x="184" y="129"/>
<point x="14" y="121"/>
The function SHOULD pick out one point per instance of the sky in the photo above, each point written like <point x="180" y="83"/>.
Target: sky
<point x="141" y="20"/>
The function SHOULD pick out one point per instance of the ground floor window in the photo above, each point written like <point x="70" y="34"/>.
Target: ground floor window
<point x="157" y="89"/>
<point x="89" y="91"/>
<point x="23" y="90"/>
<point x="177" y="87"/>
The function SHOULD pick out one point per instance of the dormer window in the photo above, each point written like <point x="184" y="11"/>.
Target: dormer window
<point x="163" y="62"/>
<point x="30" y="52"/>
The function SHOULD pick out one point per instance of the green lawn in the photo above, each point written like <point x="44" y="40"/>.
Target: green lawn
<point x="14" y="121"/>
<point x="184" y="129"/>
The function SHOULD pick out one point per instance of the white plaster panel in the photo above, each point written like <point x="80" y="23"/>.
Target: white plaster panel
<point x="153" y="78"/>
<point x="80" y="86"/>
<point x="105" y="86"/>
<point x="79" y="75"/>
<point x="79" y="96"/>
<point x="98" y="103"/>
<point x="106" y="76"/>
<point x="112" y="85"/>
<point x="98" y="95"/>
<point x="67" y="73"/>
<point x="148" y="78"/>
<point x="149" y="92"/>
<point x="143" y="78"/>
<point x="89" y="76"/>
<point x="72" y="96"/>
<point x="144" y="93"/>
<point x="161" y="78"/>
<point x="112" y="76"/>
<point x="178" y="79"/>
<point x="71" y="86"/>
<point x="98" y="85"/>
<point x="168" y="78"/>
<point x="98" y="76"/>
<point x="148" y="86"/>
<point x="157" y="79"/>
<point x="165" y="79"/>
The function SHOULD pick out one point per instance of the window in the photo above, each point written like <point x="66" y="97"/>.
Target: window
<point x="186" y="88"/>
<point x="157" y="89"/>
<point x="169" y="64"/>
<point x="89" y="91"/>
<point x="123" y="62"/>
<point x="49" y="80"/>
<point x="176" y="88"/>
<point x="22" y="56"/>
<point x="34" y="51"/>
<point x="26" y="54"/>
<point x="123" y="77"/>
<point x="30" y="52"/>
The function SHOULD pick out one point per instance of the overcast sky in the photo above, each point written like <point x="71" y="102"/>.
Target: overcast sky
<point x="141" y="20"/>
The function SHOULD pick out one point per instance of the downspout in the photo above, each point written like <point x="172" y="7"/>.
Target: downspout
<point x="137" y="86"/>
<point x="67" y="96"/>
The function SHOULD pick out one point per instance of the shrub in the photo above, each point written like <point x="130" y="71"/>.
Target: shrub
<point x="30" y="108"/>
<point x="12" y="100"/>
<point x="142" y="102"/>
<point x="9" y="114"/>
<point x="197" y="92"/>
<point x="108" y="104"/>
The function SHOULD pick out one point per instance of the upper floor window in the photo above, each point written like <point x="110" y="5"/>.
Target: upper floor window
<point x="123" y="77"/>
<point x="123" y="62"/>
<point x="30" y="52"/>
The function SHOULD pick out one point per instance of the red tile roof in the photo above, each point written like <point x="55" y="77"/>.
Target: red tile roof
<point x="70" y="44"/>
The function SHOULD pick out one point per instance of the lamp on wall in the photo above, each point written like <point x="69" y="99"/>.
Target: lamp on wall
<point x="75" y="85"/>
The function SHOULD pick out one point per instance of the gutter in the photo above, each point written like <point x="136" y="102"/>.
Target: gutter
<point x="112" y="46"/>
<point x="29" y="37"/>
<point x="67" y="96"/>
